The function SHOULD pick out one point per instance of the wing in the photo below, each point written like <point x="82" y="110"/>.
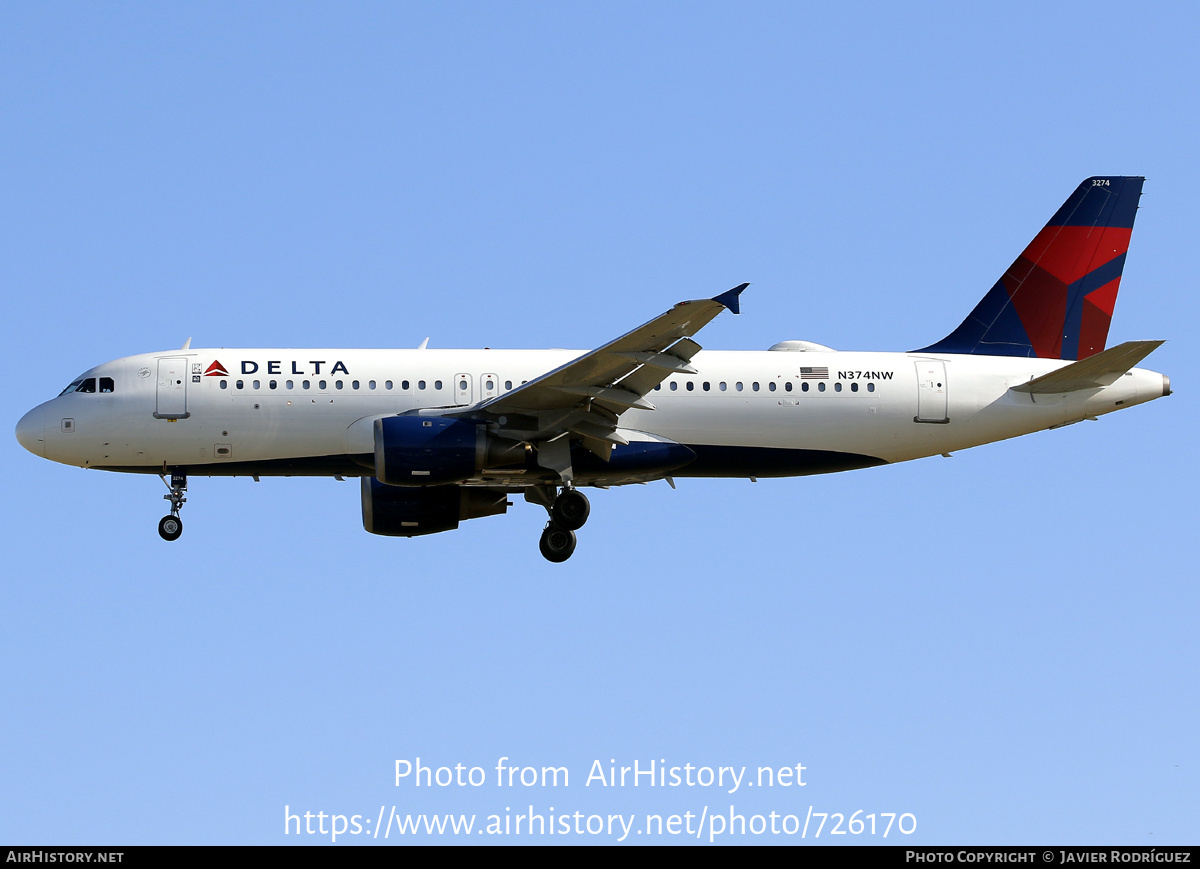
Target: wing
<point x="585" y="398"/>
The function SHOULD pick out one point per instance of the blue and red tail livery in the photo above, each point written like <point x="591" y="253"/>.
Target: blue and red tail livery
<point x="1056" y="301"/>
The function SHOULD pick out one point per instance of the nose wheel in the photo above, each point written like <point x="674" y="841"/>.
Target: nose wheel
<point x="171" y="526"/>
<point x="568" y="512"/>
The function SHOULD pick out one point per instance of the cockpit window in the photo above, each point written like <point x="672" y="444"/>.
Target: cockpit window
<point x="88" y="385"/>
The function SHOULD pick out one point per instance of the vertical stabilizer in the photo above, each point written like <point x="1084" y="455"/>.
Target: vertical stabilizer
<point x="1056" y="301"/>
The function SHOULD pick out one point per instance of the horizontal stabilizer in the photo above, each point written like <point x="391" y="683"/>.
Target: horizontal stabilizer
<point x="1094" y="372"/>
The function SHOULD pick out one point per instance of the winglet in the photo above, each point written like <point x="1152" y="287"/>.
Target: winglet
<point x="729" y="298"/>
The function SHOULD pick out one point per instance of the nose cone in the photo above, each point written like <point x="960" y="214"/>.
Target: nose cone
<point x="31" y="432"/>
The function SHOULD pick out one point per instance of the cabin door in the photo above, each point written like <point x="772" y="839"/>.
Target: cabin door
<point x="172" y="388"/>
<point x="931" y="391"/>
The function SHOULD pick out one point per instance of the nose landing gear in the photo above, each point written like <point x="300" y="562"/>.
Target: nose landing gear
<point x="170" y="527"/>
<point x="568" y="512"/>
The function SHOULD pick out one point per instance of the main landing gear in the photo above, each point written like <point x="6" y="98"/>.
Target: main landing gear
<point x="170" y="527"/>
<point x="568" y="512"/>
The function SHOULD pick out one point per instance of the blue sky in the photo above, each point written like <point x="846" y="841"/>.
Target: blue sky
<point x="1002" y="644"/>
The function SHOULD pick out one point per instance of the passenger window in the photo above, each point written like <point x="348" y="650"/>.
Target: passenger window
<point x="821" y="386"/>
<point x="508" y="384"/>
<point x="274" y="384"/>
<point x="739" y="386"/>
<point x="837" y="387"/>
<point x="241" y="384"/>
<point x="224" y="384"/>
<point x="657" y="386"/>
<point x="371" y="384"/>
<point x="691" y="387"/>
<point x="722" y="386"/>
<point x="257" y="384"/>
<point x="437" y="384"/>
<point x="290" y="384"/>
<point x="88" y="386"/>
<point x="307" y="384"/>
<point x="354" y="384"/>
<point x="106" y="384"/>
<point x="870" y="387"/>
<point x="323" y="385"/>
<point x="854" y="387"/>
<point x="755" y="386"/>
<point x="420" y="384"/>
<point x="804" y="386"/>
<point x="787" y="387"/>
<point x="772" y="386"/>
<point x="674" y="386"/>
<point x="338" y="384"/>
<point x="404" y="384"/>
<point x="387" y="384"/>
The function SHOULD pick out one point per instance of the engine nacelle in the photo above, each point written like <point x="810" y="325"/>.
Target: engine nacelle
<point x="436" y="450"/>
<point x="404" y="512"/>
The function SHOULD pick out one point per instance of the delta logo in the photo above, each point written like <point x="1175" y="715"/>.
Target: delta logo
<point x="216" y="370"/>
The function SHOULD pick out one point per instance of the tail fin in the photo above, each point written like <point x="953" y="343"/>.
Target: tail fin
<point x="1056" y="301"/>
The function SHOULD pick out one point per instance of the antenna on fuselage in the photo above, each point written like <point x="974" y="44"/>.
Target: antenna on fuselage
<point x="424" y="344"/>
<point x="187" y="345"/>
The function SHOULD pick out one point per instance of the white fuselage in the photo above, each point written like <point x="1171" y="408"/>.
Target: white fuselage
<point x="310" y="411"/>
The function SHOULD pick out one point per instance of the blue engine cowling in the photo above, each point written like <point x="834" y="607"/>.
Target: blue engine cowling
<point x="436" y="450"/>
<point x="402" y="512"/>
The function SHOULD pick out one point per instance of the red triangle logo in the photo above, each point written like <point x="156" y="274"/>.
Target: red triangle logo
<point x="216" y="370"/>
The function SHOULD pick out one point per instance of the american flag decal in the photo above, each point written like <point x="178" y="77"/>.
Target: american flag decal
<point x="814" y="373"/>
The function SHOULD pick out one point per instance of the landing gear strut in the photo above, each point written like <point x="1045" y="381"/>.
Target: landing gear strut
<point x="568" y="512"/>
<point x="170" y="527"/>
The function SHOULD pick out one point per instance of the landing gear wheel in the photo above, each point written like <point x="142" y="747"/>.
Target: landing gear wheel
<point x="570" y="510"/>
<point x="557" y="543"/>
<point x="170" y="527"/>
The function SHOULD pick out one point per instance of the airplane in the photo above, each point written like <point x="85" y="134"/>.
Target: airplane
<point x="438" y="437"/>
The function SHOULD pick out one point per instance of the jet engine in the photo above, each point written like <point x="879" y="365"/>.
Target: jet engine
<point x="436" y="450"/>
<point x="403" y="512"/>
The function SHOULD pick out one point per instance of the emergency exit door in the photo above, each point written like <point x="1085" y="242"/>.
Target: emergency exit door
<point x="462" y="389"/>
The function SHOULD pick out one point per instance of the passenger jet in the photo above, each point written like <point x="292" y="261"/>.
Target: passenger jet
<point x="440" y="436"/>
